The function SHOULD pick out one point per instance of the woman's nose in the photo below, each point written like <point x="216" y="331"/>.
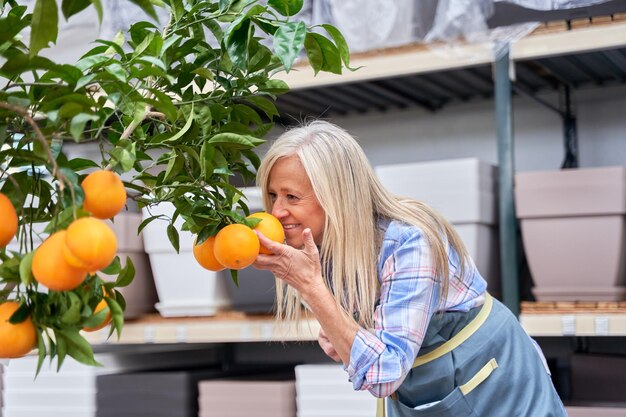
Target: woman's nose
<point x="278" y="210"/>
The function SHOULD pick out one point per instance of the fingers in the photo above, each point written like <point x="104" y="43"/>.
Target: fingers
<point x="309" y="243"/>
<point x="274" y="247"/>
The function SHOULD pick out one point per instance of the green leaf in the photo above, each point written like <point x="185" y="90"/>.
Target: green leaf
<point x="44" y="26"/>
<point x="184" y="129"/>
<point x="97" y="319"/>
<point x="288" y="42"/>
<point x="313" y="53"/>
<point x="274" y="87"/>
<point x="20" y="314"/>
<point x="83" y="81"/>
<point x="164" y="103"/>
<point x="77" y="126"/>
<point x="26" y="265"/>
<point x="78" y="196"/>
<point x="79" y="164"/>
<point x="143" y="45"/>
<point x="147" y="7"/>
<point x="72" y="7"/>
<point x="267" y="106"/>
<point x="225" y="5"/>
<point x="127" y="274"/>
<point x="72" y="314"/>
<point x="174" y="166"/>
<point x="237" y="41"/>
<point x="331" y="61"/>
<point x="244" y="141"/>
<point x="204" y="73"/>
<point x="77" y="347"/>
<point x="286" y="7"/>
<point x="207" y="152"/>
<point x="342" y="45"/>
<point x="114" y="268"/>
<point x="117" y="71"/>
<point x="98" y="5"/>
<point x="145" y="222"/>
<point x="172" y="235"/>
<point x="91" y="62"/>
<point x="117" y="314"/>
<point x="41" y="351"/>
<point x="234" y="275"/>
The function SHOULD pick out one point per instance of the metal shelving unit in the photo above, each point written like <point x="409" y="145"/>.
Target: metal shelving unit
<point x="557" y="57"/>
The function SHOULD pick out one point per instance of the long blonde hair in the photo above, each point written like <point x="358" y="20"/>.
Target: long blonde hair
<point x="353" y="200"/>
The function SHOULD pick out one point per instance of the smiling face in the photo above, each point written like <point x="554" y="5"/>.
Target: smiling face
<point x="293" y="201"/>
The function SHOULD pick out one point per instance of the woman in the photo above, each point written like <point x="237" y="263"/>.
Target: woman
<point x="399" y="301"/>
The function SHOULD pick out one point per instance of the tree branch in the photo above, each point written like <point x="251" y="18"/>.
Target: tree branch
<point x="40" y="137"/>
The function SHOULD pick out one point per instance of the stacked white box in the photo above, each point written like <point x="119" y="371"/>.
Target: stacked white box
<point x="324" y="391"/>
<point x="71" y="392"/>
<point x="1" y="389"/>
<point x="464" y="191"/>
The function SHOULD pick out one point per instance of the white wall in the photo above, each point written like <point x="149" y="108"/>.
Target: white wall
<point x="468" y="129"/>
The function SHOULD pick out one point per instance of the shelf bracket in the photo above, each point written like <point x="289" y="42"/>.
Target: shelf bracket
<point x="509" y="268"/>
<point x="570" y="129"/>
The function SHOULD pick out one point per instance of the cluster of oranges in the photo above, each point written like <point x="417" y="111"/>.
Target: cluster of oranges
<point x="64" y="260"/>
<point x="236" y="246"/>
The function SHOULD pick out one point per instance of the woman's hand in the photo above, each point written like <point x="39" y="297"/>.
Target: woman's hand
<point x="327" y="346"/>
<point x="299" y="268"/>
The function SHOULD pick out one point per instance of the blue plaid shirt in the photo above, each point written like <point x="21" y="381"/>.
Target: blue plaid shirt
<point x="381" y="357"/>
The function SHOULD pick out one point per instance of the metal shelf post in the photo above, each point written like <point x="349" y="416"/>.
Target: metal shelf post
<point x="506" y="169"/>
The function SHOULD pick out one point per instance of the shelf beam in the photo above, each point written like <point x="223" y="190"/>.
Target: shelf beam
<point x="208" y="330"/>
<point x="574" y="324"/>
<point x="421" y="59"/>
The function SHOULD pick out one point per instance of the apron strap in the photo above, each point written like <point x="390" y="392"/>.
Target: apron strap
<point x="450" y="345"/>
<point x="460" y="337"/>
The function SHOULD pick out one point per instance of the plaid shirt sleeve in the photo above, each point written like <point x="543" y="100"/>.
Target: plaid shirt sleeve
<point x="381" y="358"/>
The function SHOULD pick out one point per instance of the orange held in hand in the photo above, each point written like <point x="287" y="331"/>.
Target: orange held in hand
<point x="16" y="340"/>
<point x="205" y="255"/>
<point x="236" y="246"/>
<point x="90" y="244"/>
<point x="50" y="267"/>
<point x="271" y="228"/>
<point x="8" y="225"/>
<point x="105" y="195"/>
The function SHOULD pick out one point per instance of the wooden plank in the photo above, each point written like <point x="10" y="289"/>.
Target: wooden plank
<point x="567" y="307"/>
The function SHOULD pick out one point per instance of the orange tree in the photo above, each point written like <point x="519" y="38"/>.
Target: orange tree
<point x="177" y="111"/>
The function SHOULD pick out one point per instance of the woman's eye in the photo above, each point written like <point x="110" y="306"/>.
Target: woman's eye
<point x="291" y="197"/>
<point x="272" y="196"/>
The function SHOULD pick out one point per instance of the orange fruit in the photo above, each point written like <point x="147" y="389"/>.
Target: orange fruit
<point x="271" y="227"/>
<point x="16" y="340"/>
<point x="50" y="267"/>
<point x="236" y="246"/>
<point x="205" y="256"/>
<point x="8" y="225"/>
<point x="105" y="195"/>
<point x="90" y="244"/>
<point x="101" y="306"/>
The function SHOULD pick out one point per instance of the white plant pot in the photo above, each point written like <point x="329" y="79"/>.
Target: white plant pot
<point x="184" y="287"/>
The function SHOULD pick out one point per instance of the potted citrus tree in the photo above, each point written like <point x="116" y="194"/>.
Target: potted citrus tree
<point x="177" y="111"/>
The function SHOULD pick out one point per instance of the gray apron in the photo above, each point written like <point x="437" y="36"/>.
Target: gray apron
<point x="479" y="364"/>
